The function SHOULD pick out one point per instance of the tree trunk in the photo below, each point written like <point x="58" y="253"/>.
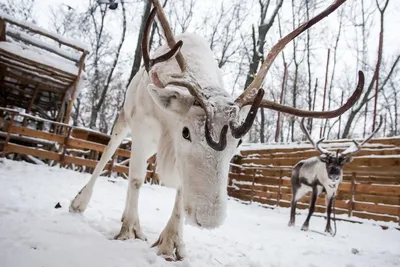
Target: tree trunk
<point x="365" y="98"/>
<point x="138" y="51"/>
<point x="262" y="130"/>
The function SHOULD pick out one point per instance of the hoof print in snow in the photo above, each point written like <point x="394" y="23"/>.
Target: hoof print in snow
<point x="57" y="206"/>
<point x="355" y="251"/>
<point x="111" y="181"/>
<point x="34" y="248"/>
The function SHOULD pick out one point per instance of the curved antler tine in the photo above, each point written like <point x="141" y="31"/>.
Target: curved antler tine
<point x="374" y="132"/>
<point x="348" y="151"/>
<point x="145" y="39"/>
<point x="316" y="114"/>
<point x="240" y="131"/>
<point x="249" y="93"/>
<point x="315" y="145"/>
<point x="221" y="144"/>
<point x="319" y="148"/>
<point x="148" y="62"/>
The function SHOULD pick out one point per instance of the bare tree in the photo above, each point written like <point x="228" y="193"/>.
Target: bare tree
<point x="101" y="86"/>
<point x="258" y="48"/>
<point x="138" y="51"/>
<point x="20" y="9"/>
<point x="365" y="98"/>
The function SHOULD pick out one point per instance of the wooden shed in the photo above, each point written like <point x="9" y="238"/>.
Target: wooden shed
<point x="40" y="72"/>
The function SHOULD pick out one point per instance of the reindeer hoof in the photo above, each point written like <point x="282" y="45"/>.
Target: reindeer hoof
<point x="81" y="201"/>
<point x="329" y="230"/>
<point x="170" y="246"/>
<point x="304" y="227"/>
<point x="291" y="223"/>
<point x="130" y="231"/>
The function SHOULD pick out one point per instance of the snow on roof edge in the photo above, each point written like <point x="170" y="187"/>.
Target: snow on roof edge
<point x="74" y="42"/>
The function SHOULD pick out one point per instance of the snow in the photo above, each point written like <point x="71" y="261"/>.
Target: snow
<point x="40" y="56"/>
<point x="75" y="56"/>
<point x="61" y="38"/>
<point x="33" y="233"/>
<point x="332" y="144"/>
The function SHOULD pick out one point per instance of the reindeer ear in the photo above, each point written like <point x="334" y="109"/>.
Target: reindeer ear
<point x="171" y="99"/>
<point x="323" y="158"/>
<point x="348" y="160"/>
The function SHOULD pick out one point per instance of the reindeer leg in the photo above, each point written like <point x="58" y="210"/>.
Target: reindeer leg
<point x="171" y="238"/>
<point x="141" y="150"/>
<point x="296" y="195"/>
<point x="328" y="228"/>
<point x="312" y="208"/>
<point x="120" y="130"/>
<point x="293" y="209"/>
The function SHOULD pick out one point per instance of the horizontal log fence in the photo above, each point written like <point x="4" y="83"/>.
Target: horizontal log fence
<point x="370" y="190"/>
<point x="371" y="186"/>
<point x="61" y="148"/>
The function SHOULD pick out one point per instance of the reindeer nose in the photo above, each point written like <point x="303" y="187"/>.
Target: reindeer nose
<point x="334" y="177"/>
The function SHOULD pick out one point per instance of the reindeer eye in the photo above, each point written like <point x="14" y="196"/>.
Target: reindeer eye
<point x="186" y="133"/>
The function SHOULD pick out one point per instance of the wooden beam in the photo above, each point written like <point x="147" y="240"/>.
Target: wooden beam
<point x="6" y="143"/>
<point x="38" y="70"/>
<point x="37" y="31"/>
<point x="37" y="134"/>
<point x="33" y="152"/>
<point x="73" y="96"/>
<point x="36" y="64"/>
<point x="2" y="39"/>
<point x="2" y="30"/>
<point x="45" y="79"/>
<point x="42" y="86"/>
<point x="84" y="144"/>
<point x="20" y="36"/>
<point x="28" y="110"/>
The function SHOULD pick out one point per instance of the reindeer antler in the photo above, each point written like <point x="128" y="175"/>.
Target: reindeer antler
<point x="315" y="145"/>
<point x="250" y="96"/>
<point x="350" y="151"/>
<point x="253" y="95"/>
<point x="148" y="62"/>
<point x="186" y="78"/>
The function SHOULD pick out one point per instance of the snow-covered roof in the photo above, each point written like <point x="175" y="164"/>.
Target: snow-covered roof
<point x="41" y="65"/>
<point x="61" y="39"/>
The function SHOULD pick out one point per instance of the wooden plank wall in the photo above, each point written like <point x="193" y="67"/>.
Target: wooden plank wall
<point x="371" y="187"/>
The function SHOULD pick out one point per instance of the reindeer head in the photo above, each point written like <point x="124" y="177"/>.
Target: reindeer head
<point x="209" y="123"/>
<point x="335" y="161"/>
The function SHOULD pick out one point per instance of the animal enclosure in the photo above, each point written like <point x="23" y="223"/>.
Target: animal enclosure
<point x="370" y="188"/>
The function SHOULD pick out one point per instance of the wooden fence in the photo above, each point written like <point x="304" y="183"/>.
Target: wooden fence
<point x="371" y="187"/>
<point x="70" y="147"/>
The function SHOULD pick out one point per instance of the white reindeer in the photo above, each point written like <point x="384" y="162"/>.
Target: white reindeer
<point x="318" y="174"/>
<point x="178" y="117"/>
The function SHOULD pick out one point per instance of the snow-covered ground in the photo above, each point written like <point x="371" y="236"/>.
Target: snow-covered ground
<point x="34" y="234"/>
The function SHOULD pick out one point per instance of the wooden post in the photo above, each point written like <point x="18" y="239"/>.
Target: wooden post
<point x="8" y="135"/>
<point x="28" y="110"/>
<point x="252" y="185"/>
<point x="65" y="146"/>
<point x="352" y="193"/>
<point x="2" y="30"/>
<point x="279" y="188"/>
<point x="75" y="86"/>
<point x="2" y="39"/>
